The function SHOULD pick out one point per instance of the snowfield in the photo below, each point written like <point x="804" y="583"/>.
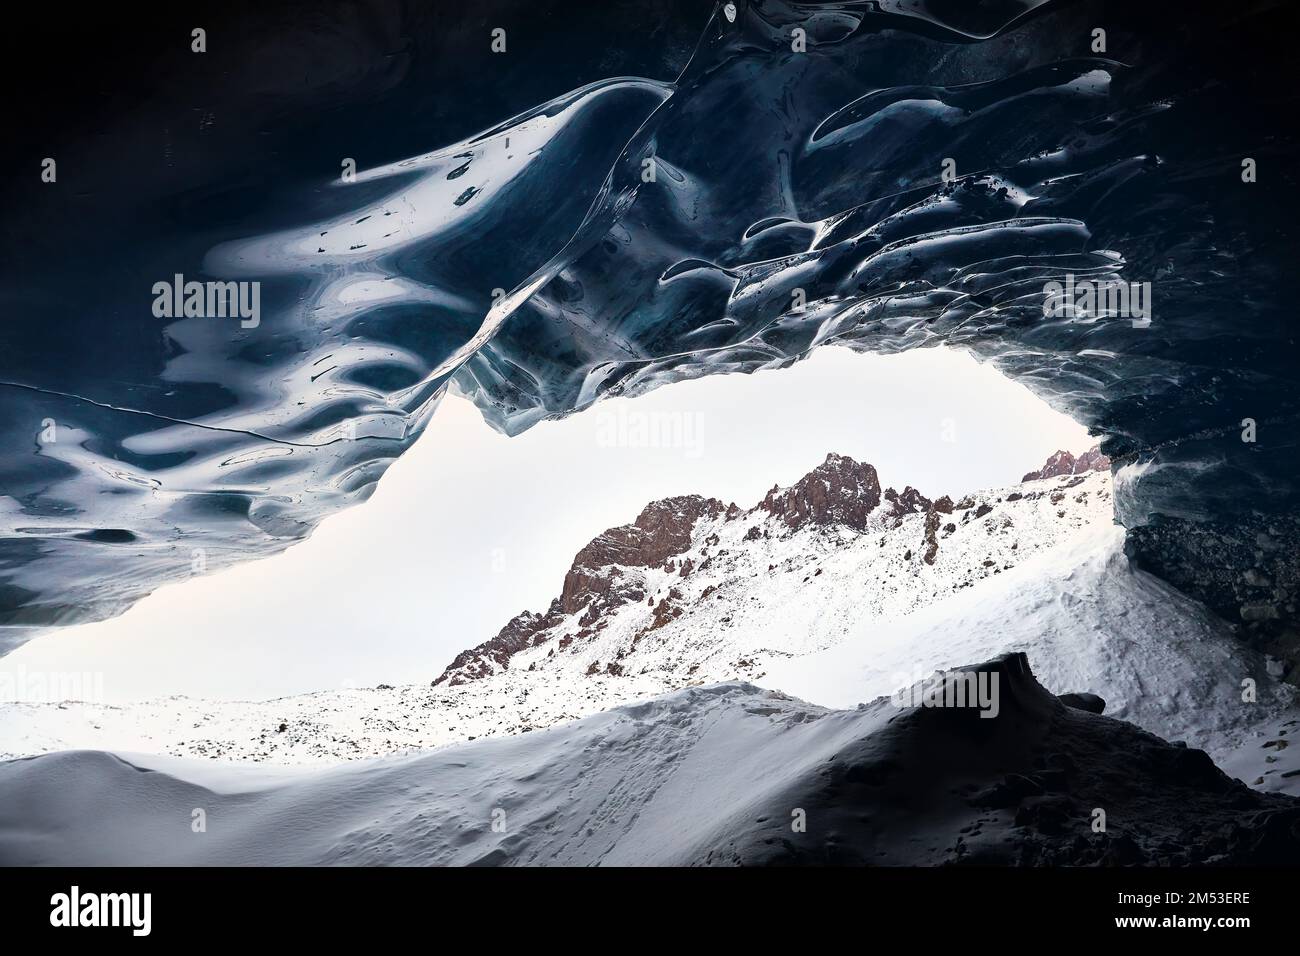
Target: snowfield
<point x="834" y="616"/>
<point x="1092" y="624"/>
<point x="720" y="775"/>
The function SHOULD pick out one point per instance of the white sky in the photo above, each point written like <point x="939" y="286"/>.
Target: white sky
<point x="468" y="528"/>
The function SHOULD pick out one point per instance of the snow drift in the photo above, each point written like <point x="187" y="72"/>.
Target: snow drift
<point x="719" y="775"/>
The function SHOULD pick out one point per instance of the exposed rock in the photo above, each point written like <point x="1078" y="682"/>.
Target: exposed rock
<point x="838" y="491"/>
<point x="1083" y="701"/>
<point x="1244" y="569"/>
<point x="609" y="573"/>
<point x="663" y="529"/>
<point x="597" y="581"/>
<point x="491" y="656"/>
<point x="909" y="502"/>
<point x="1063" y="463"/>
<point x="667" y="609"/>
<point x="931" y="539"/>
<point x="1091" y="460"/>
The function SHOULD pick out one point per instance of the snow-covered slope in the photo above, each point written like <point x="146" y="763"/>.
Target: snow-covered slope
<point x="694" y="591"/>
<point x="726" y="774"/>
<point x="725" y="592"/>
<point x="1093" y="624"/>
<point x="320" y="728"/>
<point x="831" y="590"/>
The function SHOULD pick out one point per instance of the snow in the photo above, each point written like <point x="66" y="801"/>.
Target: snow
<point x="750" y="602"/>
<point x="840" y="618"/>
<point x="610" y="789"/>
<point x="739" y="618"/>
<point x="1089" y="622"/>
<point x="725" y="774"/>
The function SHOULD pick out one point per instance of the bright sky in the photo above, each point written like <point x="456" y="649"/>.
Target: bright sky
<point x="469" y="528"/>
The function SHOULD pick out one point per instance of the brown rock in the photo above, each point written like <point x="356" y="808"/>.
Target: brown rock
<point x="838" y="491"/>
<point x="931" y="537"/>
<point x="1063" y="463"/>
<point x="909" y="502"/>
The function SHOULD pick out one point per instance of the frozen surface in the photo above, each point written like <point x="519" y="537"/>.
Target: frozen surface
<point x="917" y="174"/>
<point x="724" y="774"/>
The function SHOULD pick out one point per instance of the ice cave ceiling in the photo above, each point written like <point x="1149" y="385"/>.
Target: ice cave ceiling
<point x="685" y="188"/>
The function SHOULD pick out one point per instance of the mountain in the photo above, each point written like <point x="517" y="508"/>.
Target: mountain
<point x="831" y="589"/>
<point x="723" y="775"/>
<point x="695" y="589"/>
<point x="1063" y="463"/>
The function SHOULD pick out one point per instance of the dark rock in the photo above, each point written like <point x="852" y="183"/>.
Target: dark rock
<point x="1083" y="701"/>
<point x="838" y="491"/>
<point x="1063" y="463"/>
<point x="931" y="537"/>
<point x="910" y="501"/>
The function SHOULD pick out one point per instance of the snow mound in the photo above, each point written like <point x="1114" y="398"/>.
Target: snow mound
<point x="721" y="775"/>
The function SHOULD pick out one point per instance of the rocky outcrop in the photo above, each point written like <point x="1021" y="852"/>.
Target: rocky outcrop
<point x="1207" y="558"/>
<point x="931" y="536"/>
<point x="494" y="655"/>
<point x="1063" y="463"/>
<point x="597" y="581"/>
<point x="667" y="610"/>
<point x="838" y="491"/>
<point x="910" y="501"/>
<point x="662" y="530"/>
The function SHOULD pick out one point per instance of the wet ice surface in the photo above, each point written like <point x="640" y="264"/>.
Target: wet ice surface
<point x="635" y="231"/>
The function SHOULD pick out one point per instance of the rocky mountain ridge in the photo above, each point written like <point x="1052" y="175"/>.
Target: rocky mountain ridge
<point x="1063" y="463"/>
<point x="650" y="570"/>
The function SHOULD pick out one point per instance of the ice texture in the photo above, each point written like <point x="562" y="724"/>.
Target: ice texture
<point x="918" y="174"/>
